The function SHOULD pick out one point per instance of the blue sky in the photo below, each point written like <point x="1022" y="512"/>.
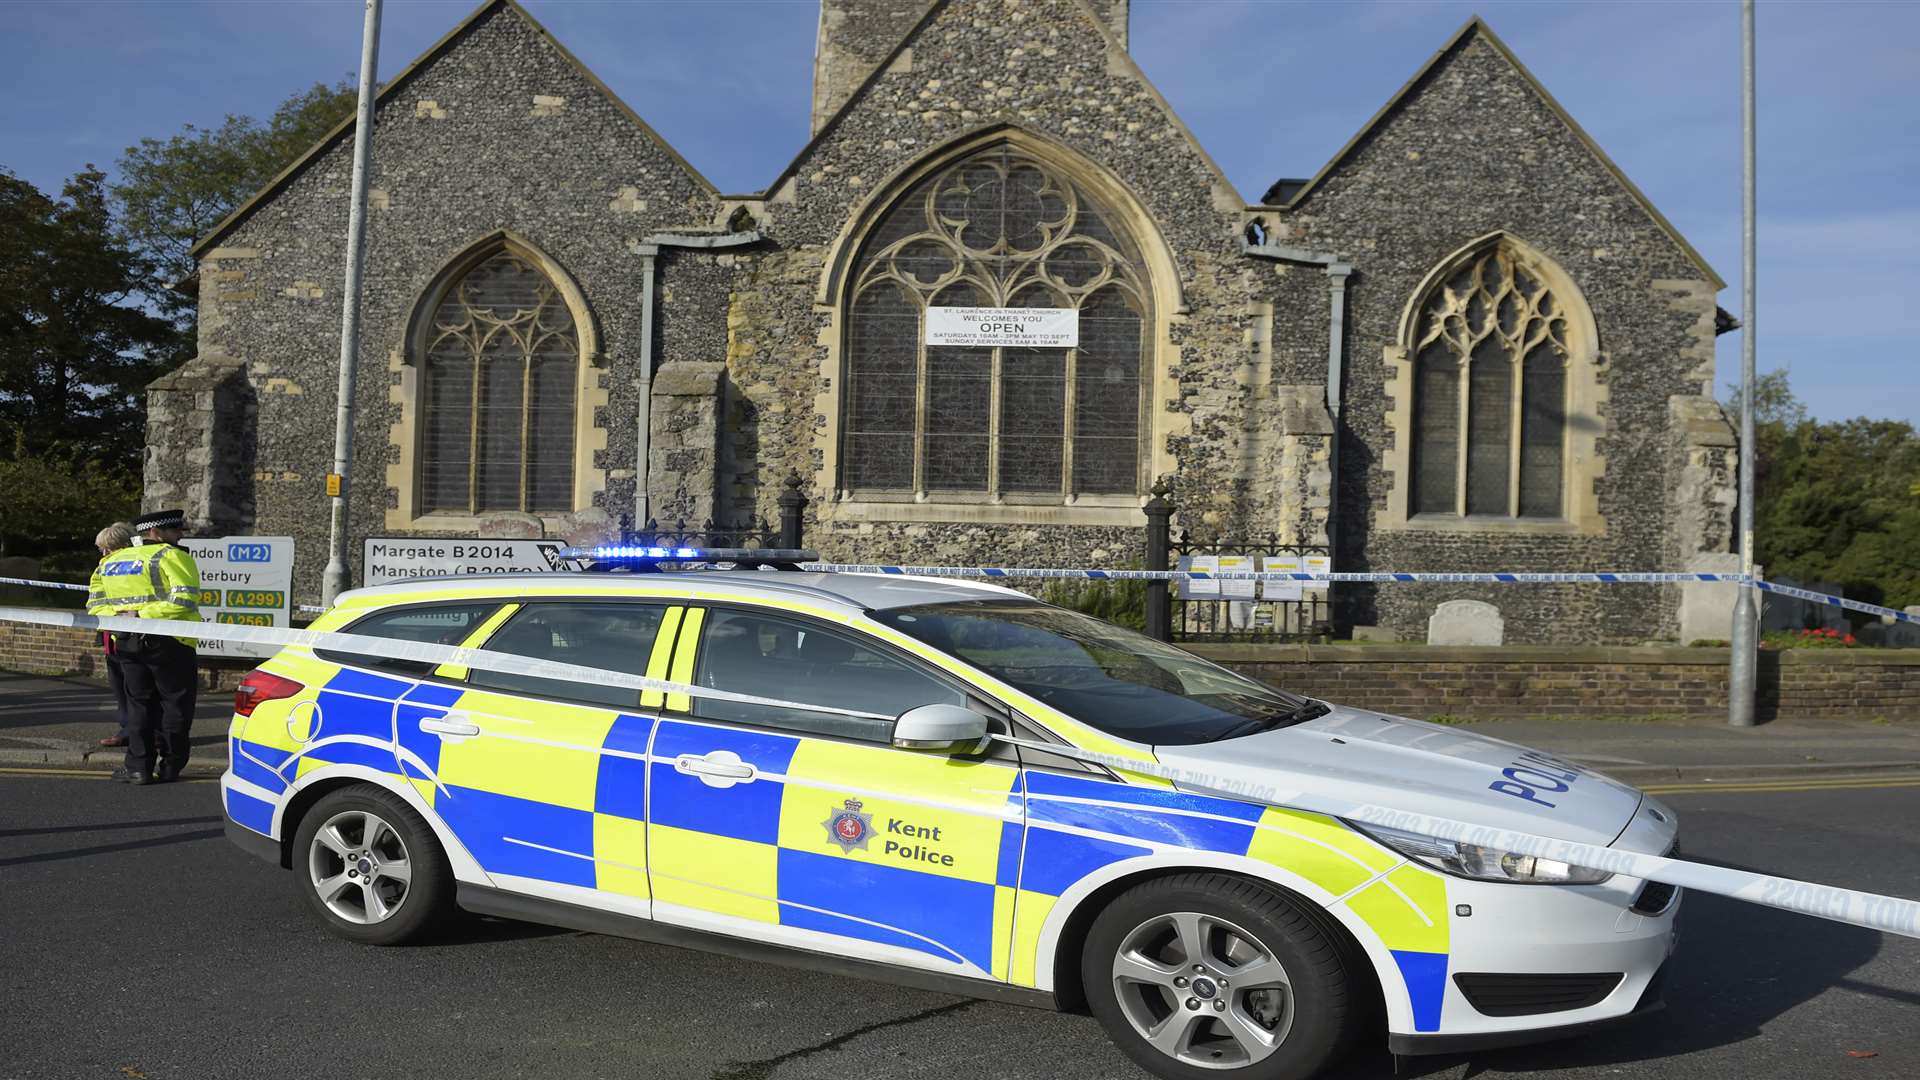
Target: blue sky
<point x="1272" y="88"/>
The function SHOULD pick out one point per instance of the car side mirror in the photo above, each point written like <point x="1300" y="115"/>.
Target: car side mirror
<point x="940" y="728"/>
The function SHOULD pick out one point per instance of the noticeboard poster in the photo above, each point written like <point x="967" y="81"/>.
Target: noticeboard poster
<point x="1236" y="589"/>
<point x="1286" y="591"/>
<point x="244" y="581"/>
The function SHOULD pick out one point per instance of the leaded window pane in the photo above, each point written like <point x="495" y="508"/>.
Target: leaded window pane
<point x="1106" y="400"/>
<point x="1033" y="404"/>
<point x="998" y="229"/>
<point x="1542" y="434"/>
<point x="498" y="393"/>
<point x="1436" y="431"/>
<point x="881" y="378"/>
<point x="1489" y="428"/>
<point x="1493" y="322"/>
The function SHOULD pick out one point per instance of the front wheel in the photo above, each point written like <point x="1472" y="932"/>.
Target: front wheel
<point x="1202" y="974"/>
<point x="370" y="867"/>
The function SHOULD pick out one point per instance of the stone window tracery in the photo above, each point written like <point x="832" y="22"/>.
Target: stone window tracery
<point x="1490" y="360"/>
<point x="502" y="356"/>
<point x="1000" y="228"/>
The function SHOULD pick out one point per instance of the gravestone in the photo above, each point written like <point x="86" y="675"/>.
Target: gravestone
<point x="1466" y="622"/>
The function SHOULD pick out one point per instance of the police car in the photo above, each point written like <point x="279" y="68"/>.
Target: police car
<point x="884" y="832"/>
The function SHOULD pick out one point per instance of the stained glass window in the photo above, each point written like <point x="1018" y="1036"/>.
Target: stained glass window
<point x="997" y="229"/>
<point x="501" y="363"/>
<point x="1490" y="387"/>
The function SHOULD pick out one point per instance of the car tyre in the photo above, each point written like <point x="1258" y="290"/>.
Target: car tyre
<point x="369" y="865"/>
<point x="1203" y="975"/>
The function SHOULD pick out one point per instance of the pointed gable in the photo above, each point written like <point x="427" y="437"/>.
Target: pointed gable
<point x="1459" y="62"/>
<point x="448" y="48"/>
<point x="1053" y="67"/>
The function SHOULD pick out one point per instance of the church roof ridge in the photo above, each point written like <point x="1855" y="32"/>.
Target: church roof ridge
<point x="1475" y="26"/>
<point x="434" y="52"/>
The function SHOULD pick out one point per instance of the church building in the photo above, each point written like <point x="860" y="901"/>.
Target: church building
<point x="1468" y="343"/>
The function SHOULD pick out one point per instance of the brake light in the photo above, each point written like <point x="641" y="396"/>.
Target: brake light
<point x="260" y="686"/>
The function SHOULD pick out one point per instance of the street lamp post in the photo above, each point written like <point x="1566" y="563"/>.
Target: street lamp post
<point x="337" y="577"/>
<point x="1746" y="622"/>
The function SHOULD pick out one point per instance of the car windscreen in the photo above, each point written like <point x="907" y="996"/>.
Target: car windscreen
<point x="1121" y="682"/>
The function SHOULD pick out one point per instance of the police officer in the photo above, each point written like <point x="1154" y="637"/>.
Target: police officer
<point x="154" y="579"/>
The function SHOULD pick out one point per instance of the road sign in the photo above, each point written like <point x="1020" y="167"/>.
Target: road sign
<point x="387" y="559"/>
<point x="245" y="581"/>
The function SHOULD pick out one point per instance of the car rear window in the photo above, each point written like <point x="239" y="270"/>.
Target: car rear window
<point x="435" y="624"/>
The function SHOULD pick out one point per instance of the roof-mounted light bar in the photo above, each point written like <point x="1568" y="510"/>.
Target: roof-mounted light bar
<point x="648" y="557"/>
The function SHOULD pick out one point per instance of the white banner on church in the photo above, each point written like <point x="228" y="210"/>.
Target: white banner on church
<point x="985" y="327"/>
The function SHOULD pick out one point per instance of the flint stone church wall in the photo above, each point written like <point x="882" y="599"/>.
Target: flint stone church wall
<point x="1471" y="150"/>
<point x="499" y="129"/>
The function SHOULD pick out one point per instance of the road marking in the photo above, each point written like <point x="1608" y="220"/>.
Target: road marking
<point x="1859" y="783"/>
<point x="77" y="774"/>
<point x="85" y="774"/>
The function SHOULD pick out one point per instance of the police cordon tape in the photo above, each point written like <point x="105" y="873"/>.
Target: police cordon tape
<point x="1308" y="577"/>
<point x="391" y="649"/>
<point x="1364" y="577"/>
<point x="1872" y="911"/>
<point x="311" y="609"/>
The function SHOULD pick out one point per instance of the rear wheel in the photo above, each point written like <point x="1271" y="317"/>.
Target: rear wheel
<point x="370" y="867"/>
<point x="1203" y="974"/>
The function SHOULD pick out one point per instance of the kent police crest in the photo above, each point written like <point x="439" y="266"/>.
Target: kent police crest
<point x="850" y="828"/>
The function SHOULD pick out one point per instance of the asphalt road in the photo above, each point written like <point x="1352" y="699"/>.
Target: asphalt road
<point x="136" y="942"/>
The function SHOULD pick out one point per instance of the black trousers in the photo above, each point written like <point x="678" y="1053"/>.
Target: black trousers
<point x="118" y="682"/>
<point x="162" y="679"/>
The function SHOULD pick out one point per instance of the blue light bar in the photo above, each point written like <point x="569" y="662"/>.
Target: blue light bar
<point x="642" y="554"/>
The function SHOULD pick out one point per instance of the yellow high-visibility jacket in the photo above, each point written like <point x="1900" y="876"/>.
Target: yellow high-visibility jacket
<point x="152" y="581"/>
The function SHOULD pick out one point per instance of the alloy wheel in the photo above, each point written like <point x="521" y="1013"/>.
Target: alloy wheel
<point x="1202" y="990"/>
<point x="359" y="867"/>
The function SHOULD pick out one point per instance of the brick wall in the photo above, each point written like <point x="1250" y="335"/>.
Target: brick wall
<point x="50" y="650"/>
<point x="1425" y="682"/>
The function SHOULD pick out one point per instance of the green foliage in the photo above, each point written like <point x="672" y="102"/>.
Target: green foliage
<point x="1835" y="501"/>
<point x="56" y="501"/>
<point x="1123" y="603"/>
<point x="172" y="192"/>
<point x="74" y="352"/>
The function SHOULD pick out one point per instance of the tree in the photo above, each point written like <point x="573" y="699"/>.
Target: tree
<point x="56" y="500"/>
<point x="1834" y="501"/>
<point x="172" y="192"/>
<point x="74" y="355"/>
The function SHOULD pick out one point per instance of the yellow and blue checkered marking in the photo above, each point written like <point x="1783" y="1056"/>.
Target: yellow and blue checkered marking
<point x="577" y="814"/>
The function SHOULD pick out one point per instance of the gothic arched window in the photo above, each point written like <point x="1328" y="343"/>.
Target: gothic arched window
<point x="1000" y="228"/>
<point x="1490" y="357"/>
<point x="501" y="362"/>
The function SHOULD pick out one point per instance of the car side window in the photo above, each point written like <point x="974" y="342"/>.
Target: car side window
<point x="614" y="637"/>
<point x="434" y="624"/>
<point x="768" y="656"/>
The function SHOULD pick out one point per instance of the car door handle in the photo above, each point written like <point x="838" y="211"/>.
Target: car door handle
<point x="722" y="768"/>
<point x="449" y="725"/>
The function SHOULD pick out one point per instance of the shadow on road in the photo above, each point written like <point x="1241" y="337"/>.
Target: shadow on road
<point x="1738" y="966"/>
<point x="471" y="929"/>
<point x="106" y="849"/>
<point x="156" y="823"/>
